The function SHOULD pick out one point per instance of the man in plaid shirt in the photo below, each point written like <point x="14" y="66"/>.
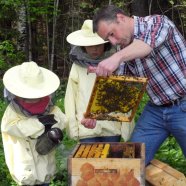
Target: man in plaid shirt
<point x="151" y="47"/>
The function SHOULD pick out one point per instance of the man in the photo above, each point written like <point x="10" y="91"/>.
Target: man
<point x="151" y="47"/>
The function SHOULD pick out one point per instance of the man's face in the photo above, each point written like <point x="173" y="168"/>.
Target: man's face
<point x="117" y="32"/>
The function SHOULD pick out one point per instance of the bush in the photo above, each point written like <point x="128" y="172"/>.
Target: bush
<point x="170" y="153"/>
<point x="9" y="56"/>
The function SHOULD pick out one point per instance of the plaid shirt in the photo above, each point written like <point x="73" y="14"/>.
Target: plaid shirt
<point x="165" y="65"/>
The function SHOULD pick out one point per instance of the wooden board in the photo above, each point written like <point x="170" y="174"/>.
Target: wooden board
<point x="161" y="174"/>
<point x="114" y="96"/>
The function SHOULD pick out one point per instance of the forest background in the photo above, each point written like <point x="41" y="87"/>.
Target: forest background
<point x="36" y="30"/>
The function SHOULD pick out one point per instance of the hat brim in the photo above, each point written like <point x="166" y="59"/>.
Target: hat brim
<point x="77" y="38"/>
<point x="15" y="86"/>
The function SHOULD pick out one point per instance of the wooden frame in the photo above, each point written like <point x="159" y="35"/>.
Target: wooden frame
<point x="105" y="101"/>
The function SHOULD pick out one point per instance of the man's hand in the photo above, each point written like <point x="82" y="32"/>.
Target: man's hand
<point x="137" y="49"/>
<point x="106" y="67"/>
<point x="88" y="123"/>
<point x="47" y="121"/>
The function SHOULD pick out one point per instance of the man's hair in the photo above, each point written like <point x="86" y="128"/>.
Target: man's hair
<point x="107" y="13"/>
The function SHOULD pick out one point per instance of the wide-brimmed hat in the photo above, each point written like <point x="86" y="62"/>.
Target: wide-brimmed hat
<point x="85" y="36"/>
<point x="28" y="80"/>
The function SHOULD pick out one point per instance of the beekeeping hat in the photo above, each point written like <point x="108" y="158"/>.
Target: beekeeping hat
<point x="28" y="80"/>
<point x="85" y="36"/>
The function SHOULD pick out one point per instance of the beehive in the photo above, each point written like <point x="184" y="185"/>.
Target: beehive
<point x="114" y="96"/>
<point x="161" y="174"/>
<point x="102" y="164"/>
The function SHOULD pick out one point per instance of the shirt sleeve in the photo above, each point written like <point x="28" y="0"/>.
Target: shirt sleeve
<point x="155" y="31"/>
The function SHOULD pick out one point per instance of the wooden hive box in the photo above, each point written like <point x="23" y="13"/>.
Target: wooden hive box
<point x="107" y="164"/>
<point x="161" y="174"/>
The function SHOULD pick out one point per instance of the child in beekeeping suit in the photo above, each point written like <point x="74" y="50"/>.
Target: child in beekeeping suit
<point x="88" y="49"/>
<point x="32" y="125"/>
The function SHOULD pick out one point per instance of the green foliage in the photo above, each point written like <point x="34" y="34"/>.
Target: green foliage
<point x="170" y="153"/>
<point x="8" y="16"/>
<point x="85" y="5"/>
<point x="35" y="7"/>
<point x="2" y="102"/>
<point x="143" y="102"/>
<point x="60" y="94"/>
<point x="9" y="56"/>
<point x="2" y="107"/>
<point x="7" y="8"/>
<point x="39" y="8"/>
<point x="64" y="150"/>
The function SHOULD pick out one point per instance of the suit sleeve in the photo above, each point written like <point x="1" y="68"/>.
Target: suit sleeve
<point x="70" y="103"/>
<point x="20" y="126"/>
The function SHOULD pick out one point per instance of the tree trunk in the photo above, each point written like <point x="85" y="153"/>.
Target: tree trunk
<point x="22" y="29"/>
<point x="29" y="32"/>
<point x="56" y="3"/>
<point x="48" y="42"/>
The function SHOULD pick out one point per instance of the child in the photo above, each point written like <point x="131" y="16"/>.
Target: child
<point x="88" y="49"/>
<point x="31" y="125"/>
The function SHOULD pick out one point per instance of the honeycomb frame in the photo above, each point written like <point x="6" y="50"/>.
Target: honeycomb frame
<point x="104" y="101"/>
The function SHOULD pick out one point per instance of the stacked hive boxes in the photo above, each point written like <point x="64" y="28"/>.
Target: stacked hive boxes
<point x="107" y="164"/>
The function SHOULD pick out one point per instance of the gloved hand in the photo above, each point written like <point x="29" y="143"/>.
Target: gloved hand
<point x="48" y="141"/>
<point x="47" y="119"/>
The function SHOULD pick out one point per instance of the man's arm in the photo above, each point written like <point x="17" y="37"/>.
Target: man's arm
<point x="137" y="49"/>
